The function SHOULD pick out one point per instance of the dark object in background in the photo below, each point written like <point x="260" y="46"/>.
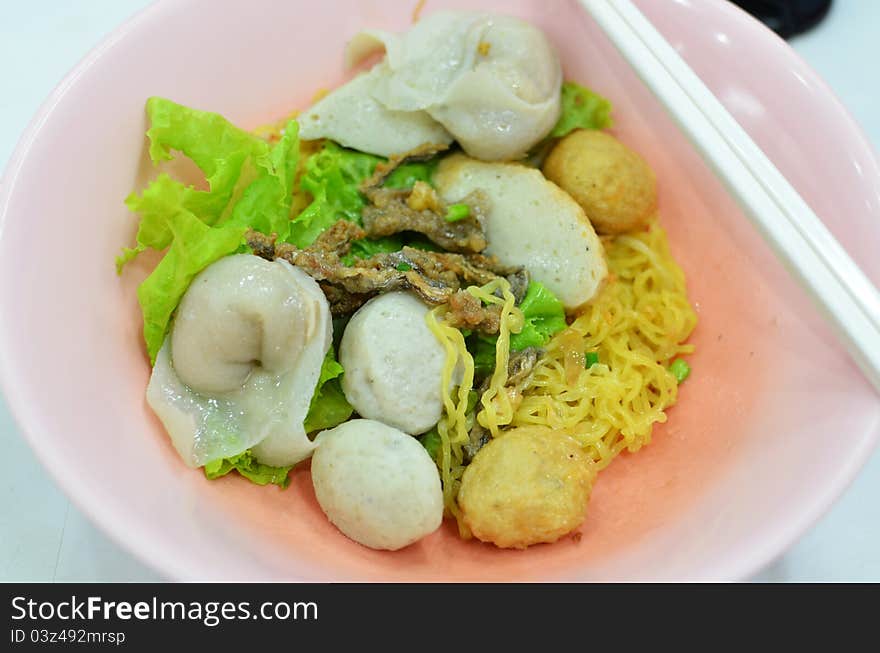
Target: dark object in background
<point x="787" y="17"/>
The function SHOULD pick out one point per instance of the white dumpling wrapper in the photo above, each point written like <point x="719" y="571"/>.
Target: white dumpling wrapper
<point x="424" y="61"/>
<point x="265" y="412"/>
<point x="353" y="117"/>
<point x="492" y="81"/>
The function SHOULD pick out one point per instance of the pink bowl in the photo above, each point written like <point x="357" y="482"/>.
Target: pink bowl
<point x="772" y="425"/>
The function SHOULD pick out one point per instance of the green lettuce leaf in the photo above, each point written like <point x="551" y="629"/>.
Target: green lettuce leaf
<point x="482" y="349"/>
<point x="332" y="177"/>
<point x="161" y="199"/>
<point x="432" y="442"/>
<point x="215" y="145"/>
<point x="543" y="316"/>
<point x="246" y="465"/>
<point x="250" y="186"/>
<point x="228" y="157"/>
<point x="195" y="246"/>
<point x="408" y="174"/>
<point x="329" y="406"/>
<point x="265" y="203"/>
<point x="581" y="109"/>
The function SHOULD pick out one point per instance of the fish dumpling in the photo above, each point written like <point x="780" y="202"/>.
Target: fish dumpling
<point x="492" y="81"/>
<point x="351" y="116"/>
<point x="242" y="361"/>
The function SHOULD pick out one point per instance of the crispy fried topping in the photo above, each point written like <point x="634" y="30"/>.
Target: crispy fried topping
<point x="423" y="198"/>
<point x="338" y="238"/>
<point x="468" y="312"/>
<point x="477" y="439"/>
<point x="392" y="211"/>
<point x="437" y="277"/>
<point x="261" y="244"/>
<point x="521" y="363"/>
<point x="519" y="284"/>
<point x="342" y="302"/>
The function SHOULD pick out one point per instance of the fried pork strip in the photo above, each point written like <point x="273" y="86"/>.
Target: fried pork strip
<point x="437" y="277"/>
<point x="392" y="211"/>
<point x="421" y="210"/>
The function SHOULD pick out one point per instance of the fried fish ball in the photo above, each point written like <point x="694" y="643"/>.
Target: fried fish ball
<point x="529" y="485"/>
<point x="614" y="186"/>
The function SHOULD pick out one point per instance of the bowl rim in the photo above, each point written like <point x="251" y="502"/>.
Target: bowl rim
<point x="739" y="566"/>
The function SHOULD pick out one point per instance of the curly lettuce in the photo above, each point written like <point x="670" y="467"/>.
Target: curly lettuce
<point x="329" y="406"/>
<point x="333" y="177"/>
<point x="406" y="175"/>
<point x="250" y="185"/>
<point x="581" y="109"/>
<point x="543" y="317"/>
<point x="248" y="466"/>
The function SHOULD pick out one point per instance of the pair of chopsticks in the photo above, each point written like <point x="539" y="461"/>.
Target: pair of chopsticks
<point x="846" y="296"/>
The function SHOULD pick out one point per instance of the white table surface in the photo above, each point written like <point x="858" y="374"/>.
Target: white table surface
<point x="44" y="538"/>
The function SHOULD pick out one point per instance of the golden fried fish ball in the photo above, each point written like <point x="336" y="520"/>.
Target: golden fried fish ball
<point x="613" y="184"/>
<point x="529" y="485"/>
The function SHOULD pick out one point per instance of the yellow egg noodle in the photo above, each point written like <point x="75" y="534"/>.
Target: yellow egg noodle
<point x="452" y="428"/>
<point x="497" y="408"/>
<point x="637" y="325"/>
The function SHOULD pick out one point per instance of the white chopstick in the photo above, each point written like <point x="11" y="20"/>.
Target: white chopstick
<point x="800" y="239"/>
